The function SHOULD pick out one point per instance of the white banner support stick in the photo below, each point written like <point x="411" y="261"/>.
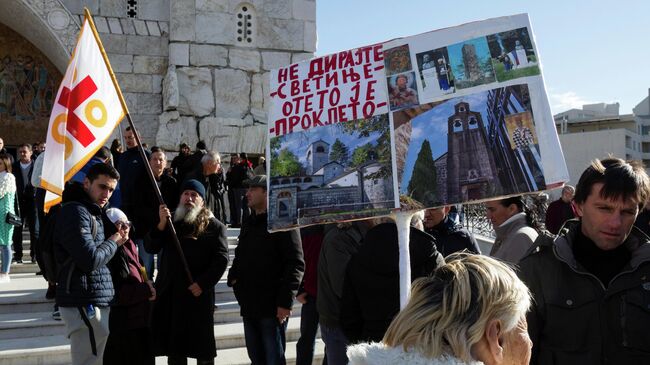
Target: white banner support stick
<point x="403" y="220"/>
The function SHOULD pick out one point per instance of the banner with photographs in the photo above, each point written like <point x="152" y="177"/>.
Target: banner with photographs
<point x="450" y="116"/>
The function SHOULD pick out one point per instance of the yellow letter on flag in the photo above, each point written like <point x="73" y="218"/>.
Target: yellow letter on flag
<point x="88" y="106"/>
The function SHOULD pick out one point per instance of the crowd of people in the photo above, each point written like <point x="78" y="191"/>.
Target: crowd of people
<point x="574" y="289"/>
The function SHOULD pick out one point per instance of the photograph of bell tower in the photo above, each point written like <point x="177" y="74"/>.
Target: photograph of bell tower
<point x="472" y="147"/>
<point x="471" y="168"/>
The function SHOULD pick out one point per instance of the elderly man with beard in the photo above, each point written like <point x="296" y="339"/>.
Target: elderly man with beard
<point x="182" y="321"/>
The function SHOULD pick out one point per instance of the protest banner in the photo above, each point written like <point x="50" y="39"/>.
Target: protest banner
<point x="449" y="116"/>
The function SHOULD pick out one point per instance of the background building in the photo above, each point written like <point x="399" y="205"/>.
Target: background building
<point x="189" y="69"/>
<point x="597" y="130"/>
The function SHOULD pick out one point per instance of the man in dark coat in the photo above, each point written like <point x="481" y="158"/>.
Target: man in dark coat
<point x="591" y="283"/>
<point x="179" y="161"/>
<point x="84" y="287"/>
<point x="25" y="195"/>
<point x="182" y="320"/>
<point x="450" y="236"/>
<point x="237" y="173"/>
<point x="145" y="209"/>
<point x="211" y="176"/>
<point x="371" y="286"/>
<point x="560" y="210"/>
<point x="131" y="167"/>
<point x="265" y="276"/>
<point x="341" y="241"/>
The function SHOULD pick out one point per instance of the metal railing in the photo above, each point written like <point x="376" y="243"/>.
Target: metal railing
<point x="473" y="216"/>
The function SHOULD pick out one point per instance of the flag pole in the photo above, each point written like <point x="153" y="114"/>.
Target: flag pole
<point x="143" y="155"/>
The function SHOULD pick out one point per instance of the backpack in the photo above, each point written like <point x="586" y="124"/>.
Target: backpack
<point x="45" y="256"/>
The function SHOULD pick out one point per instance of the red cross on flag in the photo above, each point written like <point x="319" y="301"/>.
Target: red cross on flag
<point x="88" y="106"/>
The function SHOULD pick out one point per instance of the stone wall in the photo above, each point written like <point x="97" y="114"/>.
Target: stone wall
<point x="220" y="54"/>
<point x="198" y="69"/>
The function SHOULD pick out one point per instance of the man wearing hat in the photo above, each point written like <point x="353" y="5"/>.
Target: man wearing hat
<point x="183" y="320"/>
<point x="265" y="276"/>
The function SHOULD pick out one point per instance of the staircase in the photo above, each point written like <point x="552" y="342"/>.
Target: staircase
<point x="30" y="336"/>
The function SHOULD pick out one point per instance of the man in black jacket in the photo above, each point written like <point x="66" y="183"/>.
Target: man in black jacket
<point x="22" y="170"/>
<point x="450" y="236"/>
<point x="591" y="283"/>
<point x="84" y="284"/>
<point x="265" y="275"/>
<point x="131" y="167"/>
<point x="211" y="176"/>
<point x="371" y="295"/>
<point x="145" y="209"/>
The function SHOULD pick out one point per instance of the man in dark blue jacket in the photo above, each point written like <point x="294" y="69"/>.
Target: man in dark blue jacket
<point x="84" y="285"/>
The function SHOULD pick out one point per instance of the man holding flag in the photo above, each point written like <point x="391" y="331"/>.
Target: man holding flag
<point x="87" y="108"/>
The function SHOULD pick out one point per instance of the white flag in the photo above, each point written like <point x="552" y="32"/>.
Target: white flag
<point x="86" y="110"/>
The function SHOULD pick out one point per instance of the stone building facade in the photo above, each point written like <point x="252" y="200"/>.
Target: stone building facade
<point x="189" y="69"/>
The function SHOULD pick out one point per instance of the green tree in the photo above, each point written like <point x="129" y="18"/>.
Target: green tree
<point x="423" y="180"/>
<point x="276" y="143"/>
<point x="286" y="164"/>
<point x="361" y="155"/>
<point x="339" y="152"/>
<point x="379" y="126"/>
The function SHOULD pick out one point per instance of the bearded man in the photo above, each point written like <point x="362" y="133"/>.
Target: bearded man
<point x="183" y="322"/>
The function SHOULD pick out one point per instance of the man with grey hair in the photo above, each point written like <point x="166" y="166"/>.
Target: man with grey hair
<point x="211" y="175"/>
<point x="560" y="210"/>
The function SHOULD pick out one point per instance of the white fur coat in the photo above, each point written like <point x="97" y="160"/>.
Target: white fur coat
<point x="379" y="354"/>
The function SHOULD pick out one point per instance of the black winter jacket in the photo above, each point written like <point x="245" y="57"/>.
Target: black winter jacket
<point x="130" y="168"/>
<point x="82" y="252"/>
<point x="145" y="210"/>
<point x="453" y="237"/>
<point x="371" y="288"/>
<point x="339" y="244"/>
<point x="267" y="269"/>
<point x="575" y="318"/>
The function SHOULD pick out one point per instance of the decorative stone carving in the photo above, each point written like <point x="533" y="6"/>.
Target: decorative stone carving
<point x="174" y="129"/>
<point x="231" y="89"/>
<point x="195" y="91"/>
<point x="170" y="89"/>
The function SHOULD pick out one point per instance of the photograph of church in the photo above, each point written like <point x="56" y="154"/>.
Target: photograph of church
<point x="337" y="172"/>
<point x="469" y="148"/>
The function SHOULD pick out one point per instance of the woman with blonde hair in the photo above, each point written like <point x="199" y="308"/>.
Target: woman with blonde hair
<point x="472" y="310"/>
<point x="7" y="198"/>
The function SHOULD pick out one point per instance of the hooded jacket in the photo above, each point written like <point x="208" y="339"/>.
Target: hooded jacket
<point x="371" y="286"/>
<point x="380" y="354"/>
<point x="575" y="318"/>
<point x="82" y="252"/>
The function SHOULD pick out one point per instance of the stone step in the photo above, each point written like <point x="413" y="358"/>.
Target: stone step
<point x="33" y="324"/>
<point x="26" y="293"/>
<point x="31" y="267"/>
<point x="55" y="349"/>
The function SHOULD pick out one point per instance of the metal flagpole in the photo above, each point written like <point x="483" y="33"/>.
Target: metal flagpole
<point x="143" y="155"/>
